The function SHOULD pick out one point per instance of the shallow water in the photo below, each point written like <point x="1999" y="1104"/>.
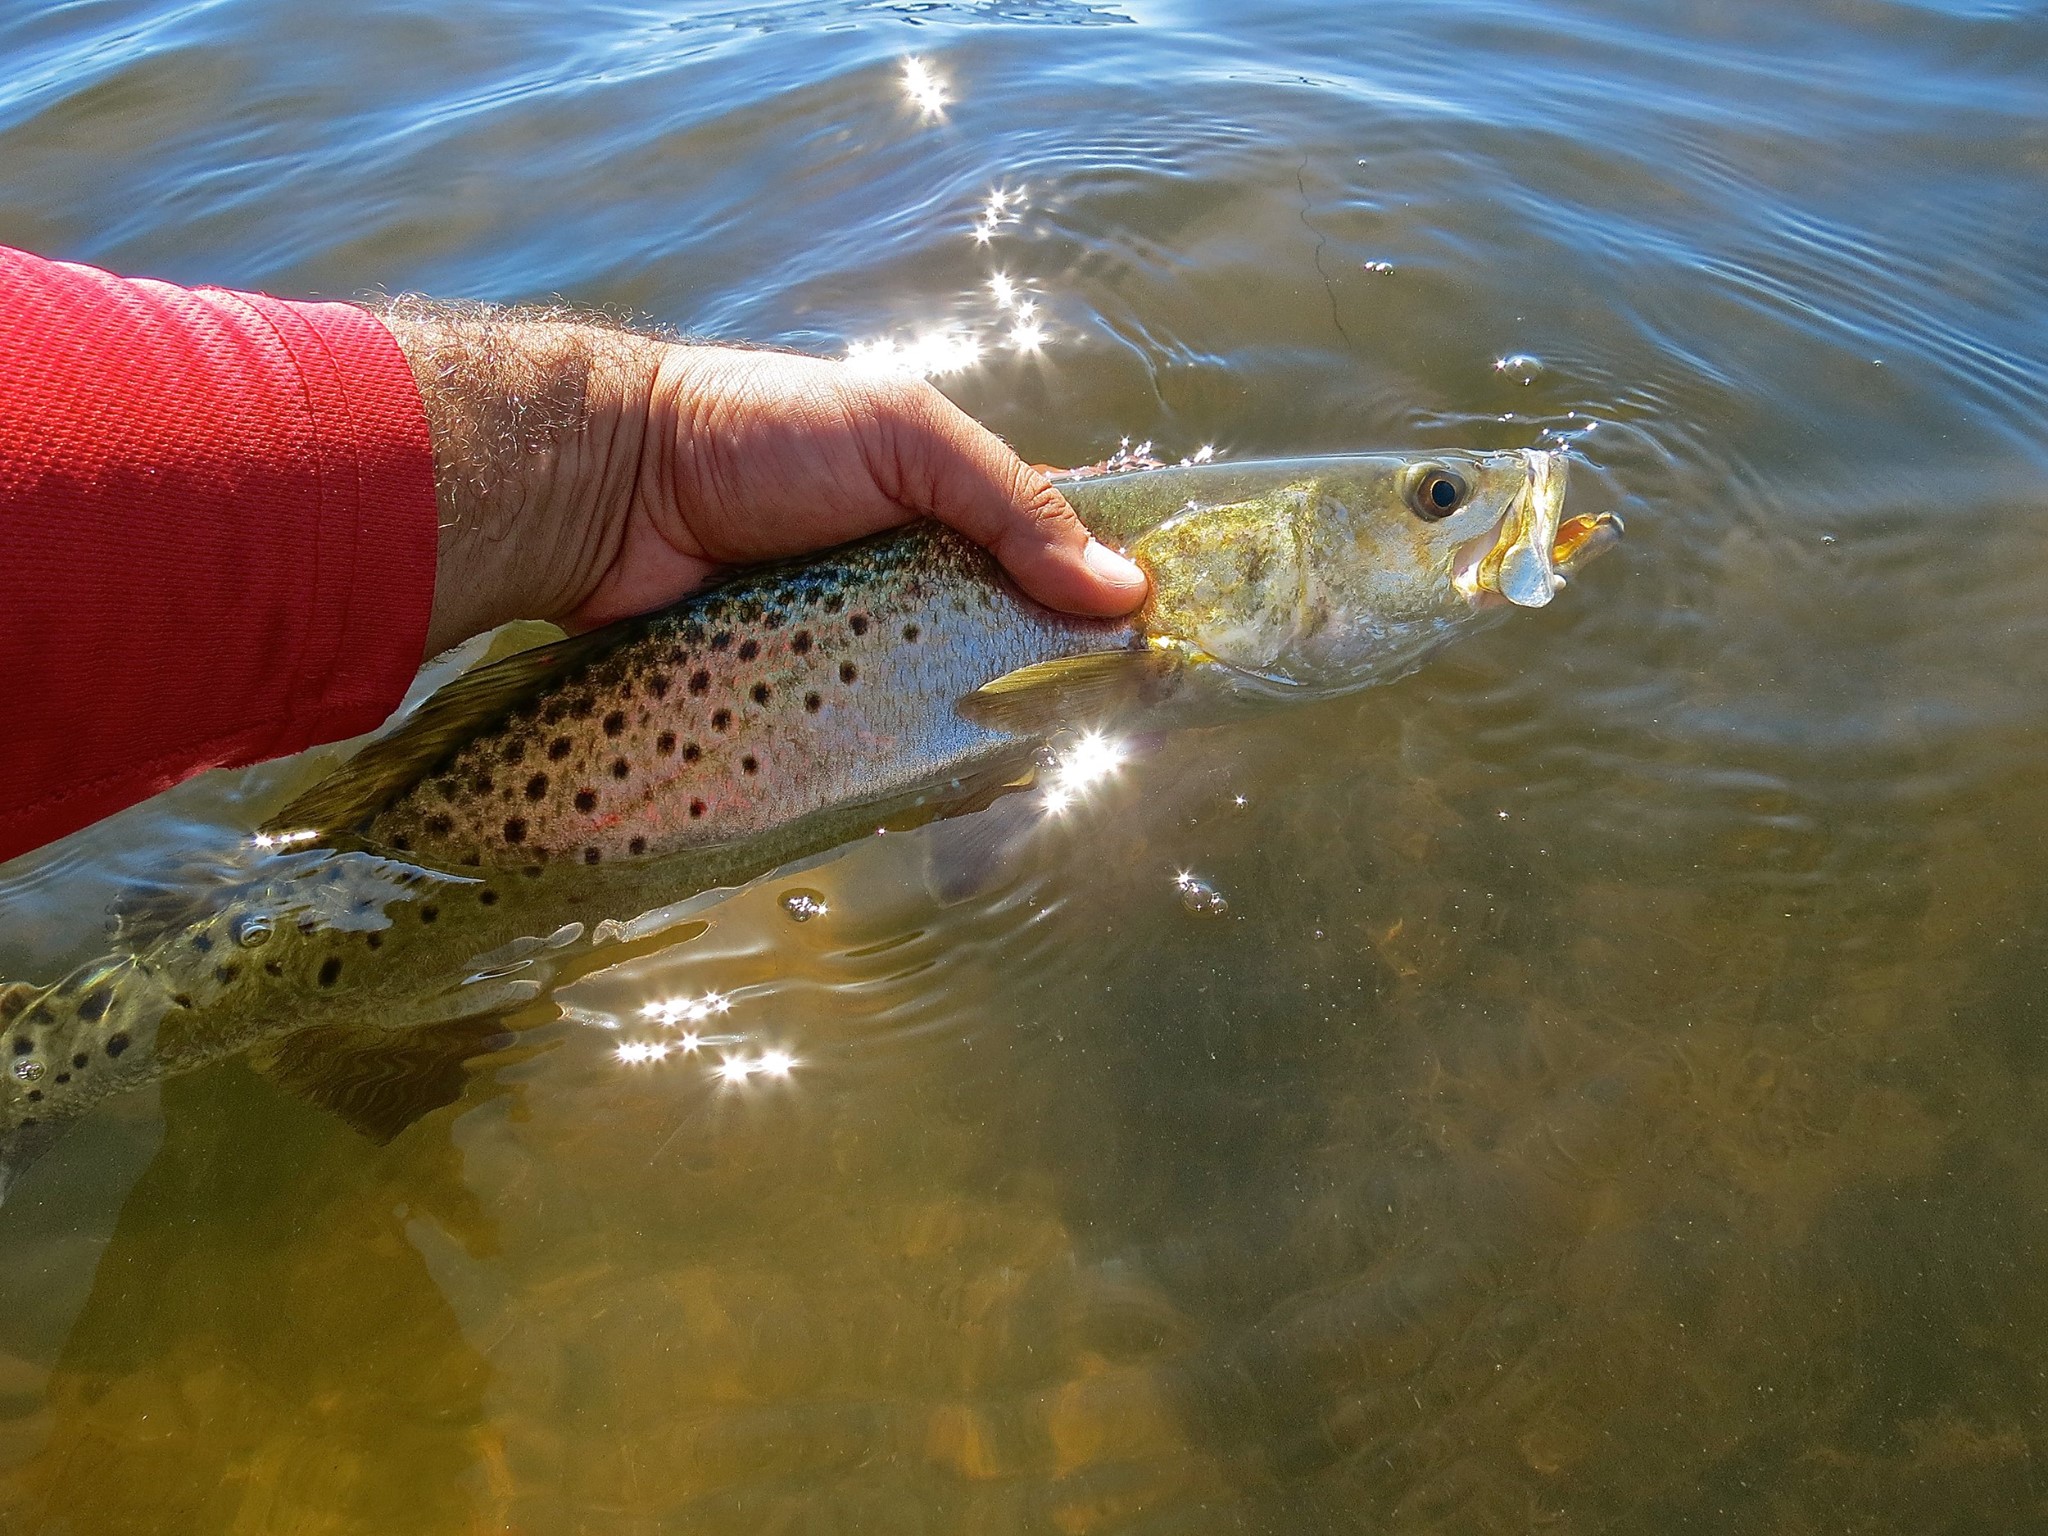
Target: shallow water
<point x="1613" y="1096"/>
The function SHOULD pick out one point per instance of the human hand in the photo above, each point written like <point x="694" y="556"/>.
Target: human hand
<point x="586" y="474"/>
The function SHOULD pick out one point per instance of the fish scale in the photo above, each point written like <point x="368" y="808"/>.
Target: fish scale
<point x="761" y="703"/>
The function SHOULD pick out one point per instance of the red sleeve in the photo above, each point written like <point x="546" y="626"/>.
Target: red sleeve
<point x="217" y="535"/>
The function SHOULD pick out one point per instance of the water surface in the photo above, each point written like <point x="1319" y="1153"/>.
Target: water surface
<point x="1613" y="1097"/>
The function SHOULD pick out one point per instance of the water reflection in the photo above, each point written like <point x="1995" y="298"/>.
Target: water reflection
<point x="1079" y="766"/>
<point x="925" y="90"/>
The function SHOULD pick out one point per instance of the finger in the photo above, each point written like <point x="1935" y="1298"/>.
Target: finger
<point x="948" y="466"/>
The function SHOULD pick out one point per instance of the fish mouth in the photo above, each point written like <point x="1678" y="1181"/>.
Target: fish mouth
<point x="1526" y="558"/>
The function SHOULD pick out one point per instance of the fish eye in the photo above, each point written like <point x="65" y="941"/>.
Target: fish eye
<point x="1435" y="493"/>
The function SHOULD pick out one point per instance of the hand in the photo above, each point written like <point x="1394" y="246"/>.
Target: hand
<point x="629" y="470"/>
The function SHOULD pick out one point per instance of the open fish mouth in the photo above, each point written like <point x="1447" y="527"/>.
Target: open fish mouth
<point x="1528" y="556"/>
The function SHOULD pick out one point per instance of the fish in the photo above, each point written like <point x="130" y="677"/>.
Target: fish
<point x="544" y="809"/>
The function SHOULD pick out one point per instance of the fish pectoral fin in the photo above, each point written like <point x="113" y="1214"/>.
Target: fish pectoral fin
<point x="379" y="1081"/>
<point x="1075" y="690"/>
<point x="967" y="857"/>
<point x="474" y="702"/>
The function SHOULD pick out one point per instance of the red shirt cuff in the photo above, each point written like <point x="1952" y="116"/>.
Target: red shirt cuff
<point x="217" y="524"/>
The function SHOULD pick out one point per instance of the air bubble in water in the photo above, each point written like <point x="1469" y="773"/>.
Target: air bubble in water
<point x="1519" y="366"/>
<point x="803" y="905"/>
<point x="28" y="1071"/>
<point x="1199" y="896"/>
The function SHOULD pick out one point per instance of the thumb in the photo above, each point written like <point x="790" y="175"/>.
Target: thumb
<point x="952" y="468"/>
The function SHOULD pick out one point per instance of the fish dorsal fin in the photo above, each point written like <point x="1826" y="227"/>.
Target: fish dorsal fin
<point x="474" y="702"/>
<point x="1075" y="690"/>
<point x="379" y="1081"/>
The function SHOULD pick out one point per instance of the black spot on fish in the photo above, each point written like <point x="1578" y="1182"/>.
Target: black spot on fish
<point x="429" y="912"/>
<point x="749" y="764"/>
<point x="273" y="967"/>
<point x="720" y="719"/>
<point x="93" y="1006"/>
<point x="800" y="642"/>
<point x="583" y="706"/>
<point x="772" y="619"/>
<point x="446" y="787"/>
<point x="181" y="1001"/>
<point x="637" y="847"/>
<point x="537" y="787"/>
<point x="487" y="896"/>
<point x="226" y="974"/>
<point x="330" y="970"/>
<point x="116" y="1044"/>
<point x="848" y="672"/>
<point x="558" y="749"/>
<point x="203" y="942"/>
<point x="471" y="860"/>
<point x="700" y="681"/>
<point x="62" y="1077"/>
<point x="665" y="743"/>
<point x="760" y="693"/>
<point x="722" y="640"/>
<point x="515" y="750"/>
<point x="531" y="871"/>
<point x="813" y="702"/>
<point x="515" y="829"/>
<point x="615" y="723"/>
<point x="858" y="623"/>
<point x="23" y="1045"/>
<point x="696" y="810"/>
<point x="692" y="752"/>
<point x="440" y="825"/>
<point x="40" y="1014"/>
<point x="911" y="632"/>
<point x="750" y="612"/>
<point x="403" y="843"/>
<point x="35" y="1095"/>
<point x="81" y="1061"/>
<point x="692" y="633"/>
<point x="749" y="649"/>
<point x="658" y="685"/>
<point x="834" y="602"/>
<point x="484" y="784"/>
<point x="374" y="940"/>
<point x="621" y="768"/>
<point x="552" y="715"/>
<point x="586" y="800"/>
<point x="591" y="855"/>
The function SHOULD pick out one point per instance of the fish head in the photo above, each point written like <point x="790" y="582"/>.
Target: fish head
<point x="1352" y="572"/>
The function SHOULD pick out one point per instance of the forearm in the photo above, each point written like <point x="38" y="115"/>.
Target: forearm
<point x="539" y="422"/>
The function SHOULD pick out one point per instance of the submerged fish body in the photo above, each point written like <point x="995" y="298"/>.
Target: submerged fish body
<point x="547" y="804"/>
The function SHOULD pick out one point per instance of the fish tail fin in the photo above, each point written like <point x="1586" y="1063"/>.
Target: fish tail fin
<point x="22" y="1143"/>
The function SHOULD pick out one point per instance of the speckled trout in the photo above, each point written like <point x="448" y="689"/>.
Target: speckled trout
<point x="568" y="798"/>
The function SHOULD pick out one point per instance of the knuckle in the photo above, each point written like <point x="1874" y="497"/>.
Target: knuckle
<point x="1044" y="507"/>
